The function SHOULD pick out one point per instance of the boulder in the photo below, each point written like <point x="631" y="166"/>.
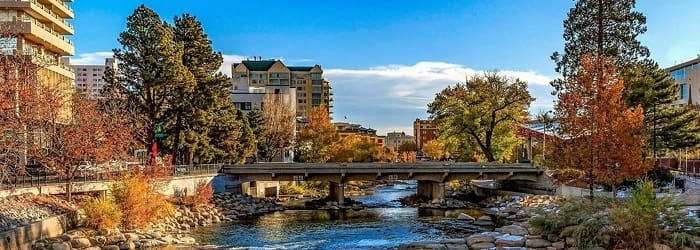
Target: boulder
<point x="463" y="216"/>
<point x="513" y="230"/>
<point x="92" y="248"/>
<point x="482" y="245"/>
<point x="453" y="241"/>
<point x="60" y="246"/>
<point x="537" y="243"/>
<point x="480" y="238"/>
<point x="129" y="245"/>
<point x="559" y="245"/>
<point x="510" y="241"/>
<point x="110" y="247"/>
<point x="658" y="246"/>
<point x="80" y="243"/>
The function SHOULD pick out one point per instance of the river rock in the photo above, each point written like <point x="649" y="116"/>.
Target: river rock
<point x="510" y="241"/>
<point x="116" y="239"/>
<point x="512" y="230"/>
<point x="129" y="245"/>
<point x="92" y="248"/>
<point x="658" y="246"/>
<point x="110" y="247"/>
<point x="463" y="216"/>
<point x="60" y="246"/>
<point x="80" y="243"/>
<point x="480" y="238"/>
<point x="484" y="221"/>
<point x="482" y="245"/>
<point x="537" y="243"/>
<point x="559" y="245"/>
<point x="453" y="241"/>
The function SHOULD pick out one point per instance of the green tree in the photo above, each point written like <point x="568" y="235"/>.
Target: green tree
<point x="610" y="28"/>
<point x="316" y="139"/>
<point x="206" y="124"/>
<point x="485" y="110"/>
<point x="151" y="73"/>
<point x="246" y="142"/>
<point x="256" y="122"/>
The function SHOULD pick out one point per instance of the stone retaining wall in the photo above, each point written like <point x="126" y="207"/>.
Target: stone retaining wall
<point x="22" y="237"/>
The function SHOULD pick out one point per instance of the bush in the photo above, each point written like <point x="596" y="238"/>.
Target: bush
<point x="682" y="240"/>
<point x="202" y="194"/>
<point x="571" y="212"/>
<point x="101" y="214"/>
<point x="140" y="201"/>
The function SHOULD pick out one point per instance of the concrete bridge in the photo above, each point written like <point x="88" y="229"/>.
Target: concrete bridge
<point x="431" y="176"/>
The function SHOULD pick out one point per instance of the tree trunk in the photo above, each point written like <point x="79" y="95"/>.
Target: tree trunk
<point x="69" y="189"/>
<point x="614" y="192"/>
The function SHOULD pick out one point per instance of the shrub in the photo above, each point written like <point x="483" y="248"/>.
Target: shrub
<point x="202" y="194"/>
<point x="592" y="233"/>
<point x="101" y="214"/>
<point x="682" y="240"/>
<point x="140" y="201"/>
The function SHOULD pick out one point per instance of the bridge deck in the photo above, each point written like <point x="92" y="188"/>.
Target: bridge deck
<point x="359" y="168"/>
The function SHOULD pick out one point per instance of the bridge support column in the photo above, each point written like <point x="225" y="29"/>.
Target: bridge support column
<point x="336" y="192"/>
<point x="434" y="191"/>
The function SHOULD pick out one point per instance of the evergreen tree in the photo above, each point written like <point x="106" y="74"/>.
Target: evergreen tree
<point x="151" y="74"/>
<point x="247" y="138"/>
<point x="610" y="28"/>
<point x="256" y="122"/>
<point x="206" y="124"/>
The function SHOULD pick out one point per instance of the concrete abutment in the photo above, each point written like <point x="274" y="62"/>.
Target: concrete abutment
<point x="435" y="191"/>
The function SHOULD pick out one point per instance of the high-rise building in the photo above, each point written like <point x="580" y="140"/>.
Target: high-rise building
<point x="424" y="132"/>
<point x="687" y="75"/>
<point x="272" y="76"/>
<point x="90" y="78"/>
<point x="40" y="29"/>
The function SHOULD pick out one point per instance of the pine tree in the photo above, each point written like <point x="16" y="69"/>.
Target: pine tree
<point x="151" y="74"/>
<point x="208" y="121"/>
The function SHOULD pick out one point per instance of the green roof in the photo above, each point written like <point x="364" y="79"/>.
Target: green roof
<point x="259" y="65"/>
<point x="300" y="68"/>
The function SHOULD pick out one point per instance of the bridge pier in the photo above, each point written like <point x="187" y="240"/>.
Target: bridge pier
<point x="434" y="191"/>
<point x="336" y="192"/>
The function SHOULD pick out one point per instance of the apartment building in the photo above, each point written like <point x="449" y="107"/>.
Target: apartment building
<point x="38" y="28"/>
<point x="273" y="76"/>
<point x="395" y="139"/>
<point x="424" y="132"/>
<point x="687" y="75"/>
<point x="90" y="78"/>
<point x="346" y="129"/>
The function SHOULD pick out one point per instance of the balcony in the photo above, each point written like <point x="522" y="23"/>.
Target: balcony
<point x="59" y="7"/>
<point x="49" y="39"/>
<point x="47" y="15"/>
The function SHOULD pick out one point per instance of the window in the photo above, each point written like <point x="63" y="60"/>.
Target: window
<point x="684" y="91"/>
<point x="316" y="76"/>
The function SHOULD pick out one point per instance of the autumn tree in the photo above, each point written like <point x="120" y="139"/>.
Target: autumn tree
<point x="279" y="125"/>
<point x="316" y="138"/>
<point x="407" y="151"/>
<point x="611" y="28"/>
<point x="605" y="136"/>
<point x="484" y="110"/>
<point x="354" y="148"/>
<point x="85" y="138"/>
<point x="435" y="149"/>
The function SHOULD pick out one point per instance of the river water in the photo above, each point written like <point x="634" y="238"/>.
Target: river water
<point x="385" y="225"/>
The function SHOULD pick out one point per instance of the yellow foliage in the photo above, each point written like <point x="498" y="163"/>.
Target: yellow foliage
<point x="140" y="201"/>
<point x="101" y="214"/>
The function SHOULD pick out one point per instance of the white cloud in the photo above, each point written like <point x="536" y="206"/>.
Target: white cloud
<point x="228" y="60"/>
<point x="391" y="97"/>
<point x="94" y="58"/>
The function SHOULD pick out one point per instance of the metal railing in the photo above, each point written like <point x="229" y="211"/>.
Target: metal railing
<point x="46" y="179"/>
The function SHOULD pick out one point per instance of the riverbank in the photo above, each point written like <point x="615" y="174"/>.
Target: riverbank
<point x="173" y="230"/>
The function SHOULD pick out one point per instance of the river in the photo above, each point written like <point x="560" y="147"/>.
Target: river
<point x="385" y="225"/>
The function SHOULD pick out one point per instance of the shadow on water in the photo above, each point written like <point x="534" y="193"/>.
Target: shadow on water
<point x="385" y="225"/>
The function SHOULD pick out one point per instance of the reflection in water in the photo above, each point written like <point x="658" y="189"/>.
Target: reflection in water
<point x="373" y="228"/>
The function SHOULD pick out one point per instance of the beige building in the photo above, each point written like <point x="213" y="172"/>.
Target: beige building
<point x="346" y="129"/>
<point x="41" y="27"/>
<point x="273" y="76"/>
<point x="395" y="139"/>
<point x="90" y="78"/>
<point x="687" y="75"/>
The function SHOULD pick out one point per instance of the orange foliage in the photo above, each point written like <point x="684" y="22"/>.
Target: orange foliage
<point x="202" y="194"/>
<point x="316" y="139"/>
<point x="140" y="201"/>
<point x="605" y="139"/>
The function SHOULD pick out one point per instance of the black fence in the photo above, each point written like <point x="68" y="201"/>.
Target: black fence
<point x="44" y="179"/>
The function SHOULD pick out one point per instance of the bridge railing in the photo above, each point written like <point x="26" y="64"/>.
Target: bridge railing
<point x="45" y="179"/>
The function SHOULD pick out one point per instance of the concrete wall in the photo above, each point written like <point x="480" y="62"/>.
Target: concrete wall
<point x="185" y="184"/>
<point x="22" y="238"/>
<point x="568" y="191"/>
<point x="261" y="188"/>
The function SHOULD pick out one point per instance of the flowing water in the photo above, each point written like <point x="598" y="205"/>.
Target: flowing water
<point x="384" y="225"/>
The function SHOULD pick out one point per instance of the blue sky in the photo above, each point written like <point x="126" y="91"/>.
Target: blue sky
<point x="387" y="59"/>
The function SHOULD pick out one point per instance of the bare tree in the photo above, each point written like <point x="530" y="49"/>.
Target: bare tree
<point x="279" y="126"/>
